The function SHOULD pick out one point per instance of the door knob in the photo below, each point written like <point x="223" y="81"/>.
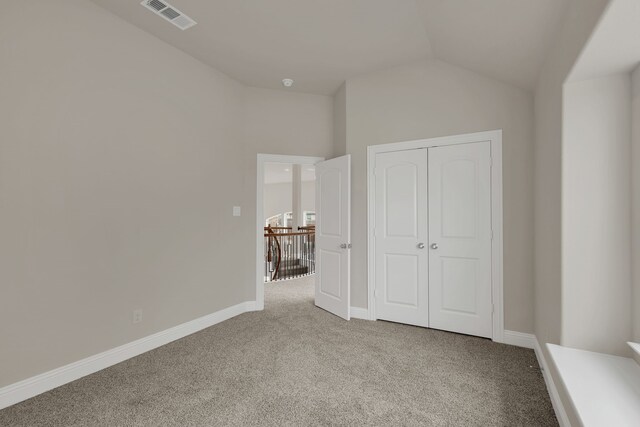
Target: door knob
<point x="434" y="246"/>
<point x="343" y="246"/>
<point x="420" y="245"/>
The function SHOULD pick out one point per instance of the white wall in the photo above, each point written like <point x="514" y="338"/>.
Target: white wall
<point x="308" y="196"/>
<point x="429" y="99"/>
<point x="277" y="197"/>
<point x="635" y="200"/>
<point x="581" y="17"/>
<point x="596" y="209"/>
<point x="120" y="160"/>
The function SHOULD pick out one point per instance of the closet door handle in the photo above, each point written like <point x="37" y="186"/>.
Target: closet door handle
<point x="434" y="246"/>
<point x="420" y="245"/>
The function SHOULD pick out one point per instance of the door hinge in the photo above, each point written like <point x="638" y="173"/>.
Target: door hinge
<point x="491" y="234"/>
<point x="376" y="293"/>
<point x="490" y="161"/>
<point x="493" y="308"/>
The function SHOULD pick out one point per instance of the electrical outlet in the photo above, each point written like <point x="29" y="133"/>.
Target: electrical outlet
<point x="137" y="315"/>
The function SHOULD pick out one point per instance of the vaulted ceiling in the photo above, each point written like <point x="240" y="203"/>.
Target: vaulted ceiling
<point x="320" y="44"/>
<point x="614" y="47"/>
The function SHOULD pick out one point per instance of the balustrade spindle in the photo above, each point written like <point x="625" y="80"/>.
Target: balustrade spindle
<point x="288" y="254"/>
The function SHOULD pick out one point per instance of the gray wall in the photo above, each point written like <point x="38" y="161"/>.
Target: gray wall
<point x="596" y="214"/>
<point x="430" y="99"/>
<point x="120" y="160"/>
<point x="340" y="121"/>
<point x="292" y="123"/>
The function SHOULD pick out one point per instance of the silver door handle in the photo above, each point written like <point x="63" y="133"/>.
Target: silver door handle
<point x="420" y="245"/>
<point x="434" y="246"/>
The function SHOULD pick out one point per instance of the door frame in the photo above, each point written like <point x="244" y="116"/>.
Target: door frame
<point x="495" y="138"/>
<point x="261" y="160"/>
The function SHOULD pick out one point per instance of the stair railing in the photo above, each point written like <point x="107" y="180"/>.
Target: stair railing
<point x="289" y="254"/>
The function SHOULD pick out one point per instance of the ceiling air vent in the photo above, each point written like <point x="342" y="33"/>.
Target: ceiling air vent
<point x="170" y="13"/>
<point x="157" y="5"/>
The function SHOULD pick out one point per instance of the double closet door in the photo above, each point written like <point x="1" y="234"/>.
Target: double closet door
<point x="433" y="237"/>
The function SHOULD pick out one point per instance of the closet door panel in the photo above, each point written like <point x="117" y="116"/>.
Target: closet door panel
<point x="460" y="238"/>
<point x="401" y="277"/>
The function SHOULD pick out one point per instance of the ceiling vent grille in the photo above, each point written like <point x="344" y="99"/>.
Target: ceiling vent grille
<point x="157" y="5"/>
<point x="170" y="13"/>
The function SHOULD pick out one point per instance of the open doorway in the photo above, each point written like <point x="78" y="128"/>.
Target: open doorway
<point x="289" y="221"/>
<point x="327" y="228"/>
<point x="285" y="219"/>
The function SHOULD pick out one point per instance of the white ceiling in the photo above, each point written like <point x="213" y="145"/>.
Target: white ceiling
<point x="320" y="44"/>
<point x="615" y="44"/>
<point x="278" y="173"/>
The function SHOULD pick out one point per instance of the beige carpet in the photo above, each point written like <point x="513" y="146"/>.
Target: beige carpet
<point x="294" y="364"/>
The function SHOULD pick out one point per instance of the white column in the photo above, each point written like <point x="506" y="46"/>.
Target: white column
<point x="296" y="197"/>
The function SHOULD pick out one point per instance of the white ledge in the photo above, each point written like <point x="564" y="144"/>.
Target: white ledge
<point x="604" y="389"/>
<point x="636" y="351"/>
<point x="635" y="347"/>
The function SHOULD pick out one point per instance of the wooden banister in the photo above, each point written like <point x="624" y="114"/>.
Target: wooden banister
<point x="272" y="235"/>
<point x="299" y="233"/>
<point x="303" y="245"/>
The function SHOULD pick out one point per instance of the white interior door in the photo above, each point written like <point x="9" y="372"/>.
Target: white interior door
<point x="401" y="260"/>
<point x="333" y="235"/>
<point x="460" y="238"/>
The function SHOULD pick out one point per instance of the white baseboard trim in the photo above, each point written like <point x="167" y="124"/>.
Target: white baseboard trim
<point x="25" y="389"/>
<point x="558" y="407"/>
<point x="519" y="339"/>
<point x="359" y="313"/>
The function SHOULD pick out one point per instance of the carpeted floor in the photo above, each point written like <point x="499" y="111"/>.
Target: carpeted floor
<point x="294" y="364"/>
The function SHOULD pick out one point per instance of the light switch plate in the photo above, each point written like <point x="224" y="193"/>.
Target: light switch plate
<point x="236" y="211"/>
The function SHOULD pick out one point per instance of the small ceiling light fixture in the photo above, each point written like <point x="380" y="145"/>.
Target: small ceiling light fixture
<point x="287" y="82"/>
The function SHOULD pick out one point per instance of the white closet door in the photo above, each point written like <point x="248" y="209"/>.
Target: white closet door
<point x="460" y="238"/>
<point x="401" y="292"/>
